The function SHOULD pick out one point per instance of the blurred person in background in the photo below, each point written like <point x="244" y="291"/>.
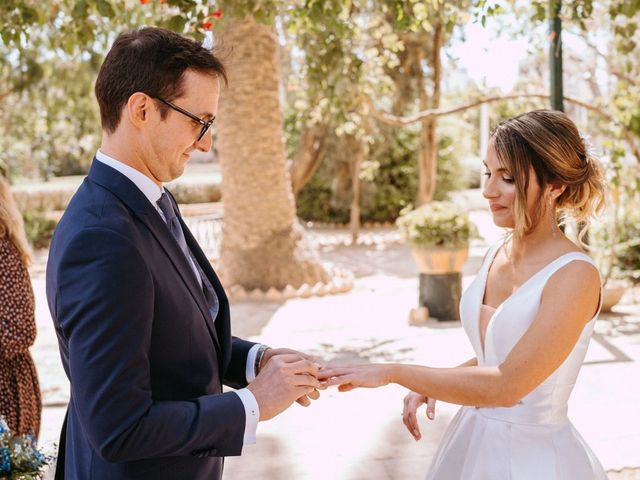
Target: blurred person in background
<point x="20" y="402"/>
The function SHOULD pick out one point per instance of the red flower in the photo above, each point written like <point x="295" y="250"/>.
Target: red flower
<point x="142" y="2"/>
<point x="217" y="14"/>
<point x="207" y="25"/>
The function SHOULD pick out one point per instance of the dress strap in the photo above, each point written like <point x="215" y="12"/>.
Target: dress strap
<point x="491" y="254"/>
<point x="563" y="260"/>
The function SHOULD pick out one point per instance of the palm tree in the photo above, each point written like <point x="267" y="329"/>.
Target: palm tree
<point x="262" y="242"/>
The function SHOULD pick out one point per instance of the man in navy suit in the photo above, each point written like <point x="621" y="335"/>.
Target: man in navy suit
<point x="141" y="318"/>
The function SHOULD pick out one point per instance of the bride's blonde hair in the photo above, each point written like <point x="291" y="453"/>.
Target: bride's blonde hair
<point x="548" y="142"/>
<point x="11" y="224"/>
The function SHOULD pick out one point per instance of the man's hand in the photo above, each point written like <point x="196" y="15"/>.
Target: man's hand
<point x="304" y="400"/>
<point x="283" y="379"/>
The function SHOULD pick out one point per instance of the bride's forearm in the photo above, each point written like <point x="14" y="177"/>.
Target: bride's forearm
<point x="464" y="385"/>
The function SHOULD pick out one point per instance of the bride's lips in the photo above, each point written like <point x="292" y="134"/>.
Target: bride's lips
<point x="496" y="208"/>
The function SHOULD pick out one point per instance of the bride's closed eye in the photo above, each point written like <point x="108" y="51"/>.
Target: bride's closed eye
<point x="505" y="178"/>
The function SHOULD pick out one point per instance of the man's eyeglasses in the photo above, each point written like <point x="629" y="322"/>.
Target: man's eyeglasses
<point x="195" y="118"/>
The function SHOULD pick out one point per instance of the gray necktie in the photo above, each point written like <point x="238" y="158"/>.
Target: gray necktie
<point x="175" y="228"/>
<point x="173" y="223"/>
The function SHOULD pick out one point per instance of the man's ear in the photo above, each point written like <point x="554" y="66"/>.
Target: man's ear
<point x="137" y="109"/>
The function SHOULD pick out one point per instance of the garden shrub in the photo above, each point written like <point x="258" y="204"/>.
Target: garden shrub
<point x="389" y="182"/>
<point x="39" y="228"/>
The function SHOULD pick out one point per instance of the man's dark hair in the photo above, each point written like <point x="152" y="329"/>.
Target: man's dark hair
<point x="149" y="60"/>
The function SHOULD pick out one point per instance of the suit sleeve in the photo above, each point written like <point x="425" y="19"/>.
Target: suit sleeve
<point x="104" y="306"/>
<point x="236" y="376"/>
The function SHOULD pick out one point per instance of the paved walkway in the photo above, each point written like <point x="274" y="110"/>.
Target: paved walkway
<point x="359" y="435"/>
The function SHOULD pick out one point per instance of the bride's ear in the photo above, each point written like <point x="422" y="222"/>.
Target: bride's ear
<point x="554" y="190"/>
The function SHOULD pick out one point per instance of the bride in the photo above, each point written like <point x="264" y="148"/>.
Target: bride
<point x="529" y="315"/>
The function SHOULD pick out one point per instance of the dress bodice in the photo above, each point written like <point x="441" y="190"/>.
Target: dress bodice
<point x="547" y="403"/>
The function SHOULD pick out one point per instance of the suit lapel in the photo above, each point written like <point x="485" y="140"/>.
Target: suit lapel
<point x="133" y="198"/>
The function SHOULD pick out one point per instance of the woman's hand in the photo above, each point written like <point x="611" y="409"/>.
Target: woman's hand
<point x="412" y="402"/>
<point x="350" y="377"/>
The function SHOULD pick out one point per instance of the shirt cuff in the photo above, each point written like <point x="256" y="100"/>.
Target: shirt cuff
<point x="250" y="371"/>
<point x="252" y="415"/>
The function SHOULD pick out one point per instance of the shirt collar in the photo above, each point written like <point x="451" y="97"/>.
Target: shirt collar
<point x="147" y="186"/>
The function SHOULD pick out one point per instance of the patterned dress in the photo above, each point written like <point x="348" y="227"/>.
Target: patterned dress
<point x="20" y="402"/>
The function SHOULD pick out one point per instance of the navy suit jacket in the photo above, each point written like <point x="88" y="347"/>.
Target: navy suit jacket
<point x="145" y="360"/>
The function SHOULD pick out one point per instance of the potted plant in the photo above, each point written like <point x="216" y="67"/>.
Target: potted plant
<point x="439" y="234"/>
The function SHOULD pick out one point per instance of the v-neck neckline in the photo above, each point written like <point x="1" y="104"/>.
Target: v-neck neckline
<point x="509" y="297"/>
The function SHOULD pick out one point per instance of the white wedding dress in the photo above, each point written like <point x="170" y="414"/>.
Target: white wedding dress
<point x="533" y="440"/>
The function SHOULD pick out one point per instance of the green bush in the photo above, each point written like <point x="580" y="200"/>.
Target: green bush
<point x="315" y="203"/>
<point x="627" y="249"/>
<point x="389" y="181"/>
<point x="437" y="224"/>
<point x="39" y="228"/>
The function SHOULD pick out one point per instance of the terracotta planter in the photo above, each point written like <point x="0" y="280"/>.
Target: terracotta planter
<point x="611" y="295"/>
<point x="440" y="286"/>
<point x="439" y="260"/>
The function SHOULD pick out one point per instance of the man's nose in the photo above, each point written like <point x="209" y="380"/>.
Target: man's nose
<point x="204" y="144"/>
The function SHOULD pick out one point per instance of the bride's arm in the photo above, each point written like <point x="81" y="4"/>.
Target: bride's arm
<point x="413" y="400"/>
<point x="569" y="300"/>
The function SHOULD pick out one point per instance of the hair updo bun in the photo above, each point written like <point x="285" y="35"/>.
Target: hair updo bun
<point x="549" y="142"/>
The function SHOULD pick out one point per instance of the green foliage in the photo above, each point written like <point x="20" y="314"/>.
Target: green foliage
<point x="617" y="246"/>
<point x="263" y="11"/>
<point x="450" y="172"/>
<point x="39" y="228"/>
<point x="420" y="16"/>
<point x="315" y="203"/>
<point x="571" y="10"/>
<point x="437" y="224"/>
<point x="388" y="181"/>
<point x="485" y="9"/>
<point x="627" y="248"/>
<point x="615" y="239"/>
<point x="53" y="130"/>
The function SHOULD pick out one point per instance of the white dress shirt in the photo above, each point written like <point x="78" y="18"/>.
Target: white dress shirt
<point x="153" y="192"/>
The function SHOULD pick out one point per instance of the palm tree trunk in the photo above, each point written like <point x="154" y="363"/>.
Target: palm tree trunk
<point x="261" y="238"/>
